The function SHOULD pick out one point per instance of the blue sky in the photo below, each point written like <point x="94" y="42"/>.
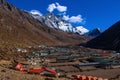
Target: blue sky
<point x="88" y="13"/>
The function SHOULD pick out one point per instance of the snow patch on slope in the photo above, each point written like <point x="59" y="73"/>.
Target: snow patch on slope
<point x="82" y="29"/>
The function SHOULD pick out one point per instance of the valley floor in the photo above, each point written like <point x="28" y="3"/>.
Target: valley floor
<point x="68" y="68"/>
<point x="11" y="74"/>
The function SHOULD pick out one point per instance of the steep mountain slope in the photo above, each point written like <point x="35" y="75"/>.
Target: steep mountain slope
<point x="18" y="28"/>
<point x="57" y="22"/>
<point x="110" y="39"/>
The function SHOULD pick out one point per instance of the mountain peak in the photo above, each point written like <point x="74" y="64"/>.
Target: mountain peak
<point x="57" y="22"/>
<point x="94" y="32"/>
<point x="98" y="29"/>
<point x="50" y="13"/>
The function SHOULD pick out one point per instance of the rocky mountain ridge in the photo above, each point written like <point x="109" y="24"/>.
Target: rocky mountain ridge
<point x="57" y="22"/>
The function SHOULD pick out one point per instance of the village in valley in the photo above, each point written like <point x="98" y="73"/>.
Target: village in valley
<point x="67" y="62"/>
<point x="59" y="40"/>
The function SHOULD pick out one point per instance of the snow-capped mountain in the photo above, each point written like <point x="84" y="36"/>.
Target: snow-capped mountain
<point x="94" y="32"/>
<point x="81" y="30"/>
<point x="57" y="22"/>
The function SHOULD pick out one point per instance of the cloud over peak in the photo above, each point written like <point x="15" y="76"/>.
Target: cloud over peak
<point x="61" y="8"/>
<point x="56" y="6"/>
<point x="51" y="7"/>
<point x="62" y="11"/>
<point x="73" y="19"/>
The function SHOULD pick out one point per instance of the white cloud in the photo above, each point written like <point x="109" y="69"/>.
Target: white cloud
<point x="56" y="6"/>
<point x="73" y="19"/>
<point x="61" y="8"/>
<point x="51" y="7"/>
<point x="36" y="12"/>
<point x="66" y="17"/>
<point x="62" y="11"/>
